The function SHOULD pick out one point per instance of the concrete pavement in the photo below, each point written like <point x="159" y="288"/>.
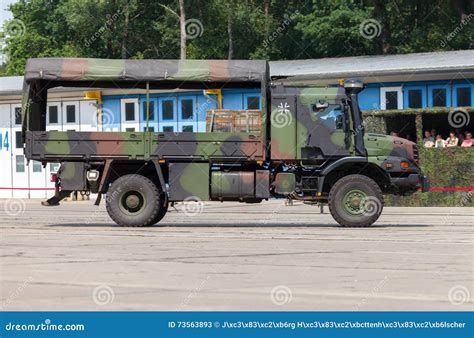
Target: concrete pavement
<point x="231" y="256"/>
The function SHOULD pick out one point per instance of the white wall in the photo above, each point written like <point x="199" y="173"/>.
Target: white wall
<point x="34" y="180"/>
<point x="5" y="152"/>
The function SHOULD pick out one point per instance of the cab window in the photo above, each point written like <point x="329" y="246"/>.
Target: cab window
<point x="331" y="116"/>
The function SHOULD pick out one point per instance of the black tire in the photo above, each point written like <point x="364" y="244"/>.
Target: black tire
<point x="355" y="201"/>
<point x="163" y="209"/>
<point x="133" y="201"/>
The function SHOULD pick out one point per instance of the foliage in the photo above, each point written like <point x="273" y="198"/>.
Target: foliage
<point x="445" y="167"/>
<point x="271" y="29"/>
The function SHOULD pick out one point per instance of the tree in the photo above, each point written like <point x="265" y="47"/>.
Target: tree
<point x="182" y="25"/>
<point x="228" y="29"/>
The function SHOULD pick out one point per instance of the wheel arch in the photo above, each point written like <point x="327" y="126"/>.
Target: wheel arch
<point x="349" y="166"/>
<point x="113" y="169"/>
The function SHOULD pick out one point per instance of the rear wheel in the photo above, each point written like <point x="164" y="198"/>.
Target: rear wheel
<point x="163" y="209"/>
<point x="355" y="201"/>
<point x="134" y="201"/>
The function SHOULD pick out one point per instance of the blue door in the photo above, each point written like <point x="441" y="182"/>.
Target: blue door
<point x="153" y="119"/>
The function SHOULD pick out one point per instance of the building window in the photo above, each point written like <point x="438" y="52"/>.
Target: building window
<point x="70" y="114"/>
<point x="415" y="98"/>
<point x="187" y="109"/>
<point x="53" y="114"/>
<point x="18" y="142"/>
<point x="253" y="102"/>
<point x="167" y="109"/>
<point x="187" y="129"/>
<point x="391" y="98"/>
<point x="168" y="128"/>
<point x="37" y="166"/>
<point x="464" y="97"/>
<point x="150" y="129"/>
<point x="129" y="111"/>
<point x="130" y="130"/>
<point x="18" y="115"/>
<point x="20" y="163"/>
<point x="152" y="110"/>
<point x="439" y="97"/>
<point x="54" y="167"/>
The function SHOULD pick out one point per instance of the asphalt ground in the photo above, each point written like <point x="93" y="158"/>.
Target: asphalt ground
<point x="231" y="256"/>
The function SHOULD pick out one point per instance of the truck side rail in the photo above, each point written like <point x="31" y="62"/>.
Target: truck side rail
<point x="55" y="146"/>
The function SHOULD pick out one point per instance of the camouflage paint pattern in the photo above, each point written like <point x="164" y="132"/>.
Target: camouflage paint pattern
<point x="297" y="132"/>
<point x="71" y="145"/>
<point x="383" y="149"/>
<point x="285" y="183"/>
<point x="81" y="69"/>
<point x="189" y="181"/>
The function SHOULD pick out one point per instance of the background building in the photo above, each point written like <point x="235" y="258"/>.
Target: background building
<point x="405" y="94"/>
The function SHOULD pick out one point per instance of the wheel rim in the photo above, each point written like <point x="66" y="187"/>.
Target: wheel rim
<point x="132" y="202"/>
<point x="352" y="202"/>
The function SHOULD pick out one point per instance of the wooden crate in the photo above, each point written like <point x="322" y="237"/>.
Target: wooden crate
<point x="233" y="120"/>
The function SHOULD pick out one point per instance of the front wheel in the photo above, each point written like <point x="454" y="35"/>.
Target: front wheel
<point x="355" y="201"/>
<point x="134" y="201"/>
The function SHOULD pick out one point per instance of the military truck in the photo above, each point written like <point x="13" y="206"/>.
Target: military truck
<point x="306" y="143"/>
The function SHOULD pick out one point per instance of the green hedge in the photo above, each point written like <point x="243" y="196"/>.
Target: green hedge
<point x="446" y="168"/>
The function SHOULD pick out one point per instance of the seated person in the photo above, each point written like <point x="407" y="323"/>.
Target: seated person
<point x="452" y="140"/>
<point x="428" y="141"/>
<point x="467" y="141"/>
<point x="440" y="143"/>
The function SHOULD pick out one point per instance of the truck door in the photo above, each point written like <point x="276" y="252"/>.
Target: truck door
<point x="323" y="124"/>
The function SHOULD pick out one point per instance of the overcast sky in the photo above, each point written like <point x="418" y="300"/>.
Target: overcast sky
<point x="4" y="13"/>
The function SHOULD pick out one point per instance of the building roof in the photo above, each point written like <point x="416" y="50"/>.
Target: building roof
<point x="11" y="85"/>
<point x="378" y="68"/>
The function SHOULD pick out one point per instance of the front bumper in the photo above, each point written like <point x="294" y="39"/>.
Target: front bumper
<point x="411" y="182"/>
